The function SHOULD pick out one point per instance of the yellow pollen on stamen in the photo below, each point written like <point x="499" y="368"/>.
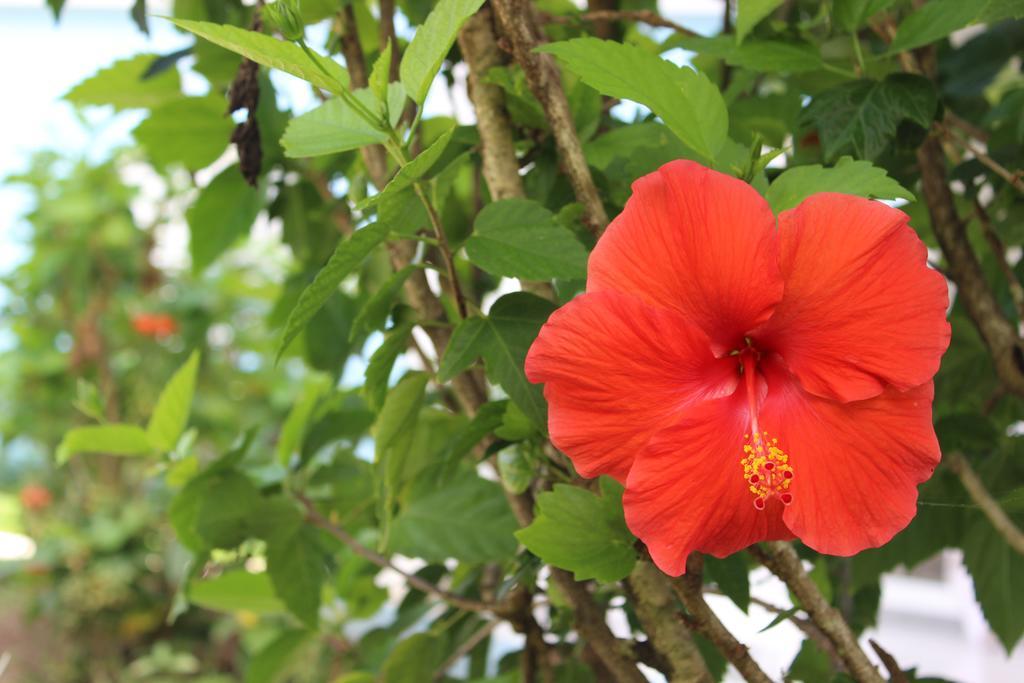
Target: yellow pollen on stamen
<point x="766" y="470"/>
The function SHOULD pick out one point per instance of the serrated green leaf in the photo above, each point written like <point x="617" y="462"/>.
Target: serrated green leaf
<point x="852" y="14"/>
<point x="374" y="313"/>
<point x="331" y="128"/>
<point x="399" y="412"/>
<point x="766" y="56"/>
<point x="296" y="567"/>
<point x="413" y="660"/>
<point x="520" y="238"/>
<point x="934" y="20"/>
<point x="170" y="416"/>
<point x="465" y="346"/>
<point x="235" y="591"/>
<point x="515" y="319"/>
<point x="192" y="131"/>
<point x="267" y="665"/>
<point x="271" y="52"/>
<point x="997" y="570"/>
<point x="124" y="86"/>
<point x="375" y="388"/>
<point x="422" y="59"/>
<point x="381" y="74"/>
<point x="347" y="255"/>
<point x="859" y="178"/>
<point x="502" y="339"/>
<point x="863" y="116"/>
<point x="411" y="172"/>
<point x="582" y="532"/>
<point x="215" y="510"/>
<point x="294" y="429"/>
<point x="111" y="439"/>
<point x="224" y="212"/>
<point x="468" y="520"/>
<point x="689" y="104"/>
<point x="749" y="14"/>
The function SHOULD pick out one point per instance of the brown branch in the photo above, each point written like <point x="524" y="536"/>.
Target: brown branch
<point x="782" y="560"/>
<point x="616" y="655"/>
<point x="519" y="28"/>
<point x="896" y="674"/>
<point x="643" y="16"/>
<point x="655" y="606"/>
<point x="996" y="330"/>
<point x="497" y="144"/>
<point x="999" y="251"/>
<point x="976" y="489"/>
<point x="457" y="601"/>
<point x="704" y="621"/>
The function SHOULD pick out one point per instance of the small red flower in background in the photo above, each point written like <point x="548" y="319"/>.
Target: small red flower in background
<point x="35" y="497"/>
<point x="155" y="325"/>
<point x="749" y="382"/>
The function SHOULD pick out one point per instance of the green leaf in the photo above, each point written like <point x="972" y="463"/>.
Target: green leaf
<point x="235" y="591"/>
<point x="749" y="14"/>
<point x="56" y="6"/>
<point x="296" y="567"/>
<point x="465" y="346"/>
<point x="267" y="665"/>
<point x="381" y="74"/>
<point x="732" y="576"/>
<point x="520" y="238"/>
<point x="581" y="532"/>
<point x="271" y="52"/>
<point x="411" y="172"/>
<point x="997" y="570"/>
<point x="765" y="56"/>
<point x="111" y="439"/>
<point x="294" y="429"/>
<point x="936" y="19"/>
<point x="859" y="178"/>
<point x="347" y="255"/>
<point x="374" y="313"/>
<point x="331" y="128"/>
<point x="863" y="116"/>
<point x="375" y="388"/>
<point x="689" y="104"/>
<point x="852" y="14"/>
<point x="192" y="131"/>
<point x="215" y="510"/>
<point x="399" y="412"/>
<point x="124" y="85"/>
<point x="811" y="664"/>
<point x="170" y="416"/>
<point x="468" y="520"/>
<point x="515" y="319"/>
<point x="502" y="339"/>
<point x="430" y="45"/>
<point x="224" y="212"/>
<point x="413" y="660"/>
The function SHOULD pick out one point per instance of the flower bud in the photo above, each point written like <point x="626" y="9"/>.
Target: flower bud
<point x="285" y="16"/>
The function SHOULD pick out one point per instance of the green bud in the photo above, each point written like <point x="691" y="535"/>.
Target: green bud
<point x="285" y="16"/>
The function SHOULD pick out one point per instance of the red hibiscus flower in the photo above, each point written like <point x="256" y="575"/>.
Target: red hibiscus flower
<point x="748" y="381"/>
<point x="155" y="325"/>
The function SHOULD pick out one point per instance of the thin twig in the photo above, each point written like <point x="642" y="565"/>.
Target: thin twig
<point x="465" y="648"/>
<point x="999" y="251"/>
<point x="782" y="560"/>
<point x="643" y="16"/>
<point x="689" y="588"/>
<point x="1014" y="178"/>
<point x="958" y="464"/>
<point x="457" y="601"/>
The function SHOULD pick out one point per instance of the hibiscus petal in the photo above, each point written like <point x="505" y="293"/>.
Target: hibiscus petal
<point x="698" y="241"/>
<point x="616" y="370"/>
<point x="856" y="465"/>
<point x="861" y="308"/>
<point x="686" y="491"/>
